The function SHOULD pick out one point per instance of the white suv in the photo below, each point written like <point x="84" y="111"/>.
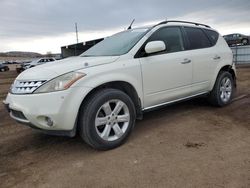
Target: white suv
<point x="102" y="92"/>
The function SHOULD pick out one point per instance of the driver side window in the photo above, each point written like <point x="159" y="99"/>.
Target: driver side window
<point x="171" y="36"/>
<point x="41" y="61"/>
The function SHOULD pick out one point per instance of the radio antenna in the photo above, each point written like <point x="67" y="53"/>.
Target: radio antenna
<point x="130" y="26"/>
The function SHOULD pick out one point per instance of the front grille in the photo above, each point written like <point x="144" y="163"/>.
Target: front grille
<point x="18" y="114"/>
<point x="25" y="87"/>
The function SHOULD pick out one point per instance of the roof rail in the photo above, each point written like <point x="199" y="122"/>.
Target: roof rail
<point x="179" y="21"/>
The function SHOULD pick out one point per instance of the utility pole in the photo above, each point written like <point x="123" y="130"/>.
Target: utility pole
<point x="76" y="37"/>
<point x="76" y="33"/>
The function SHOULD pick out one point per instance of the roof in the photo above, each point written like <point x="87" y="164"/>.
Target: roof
<point x="183" y="22"/>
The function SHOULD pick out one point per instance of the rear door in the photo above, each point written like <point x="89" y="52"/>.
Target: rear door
<point x="236" y="38"/>
<point x="202" y="56"/>
<point x="166" y="75"/>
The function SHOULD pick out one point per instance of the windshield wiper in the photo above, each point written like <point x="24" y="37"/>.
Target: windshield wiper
<point x="86" y="55"/>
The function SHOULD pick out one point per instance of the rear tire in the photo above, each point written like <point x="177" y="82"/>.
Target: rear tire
<point x="223" y="90"/>
<point x="244" y="41"/>
<point x="106" y="119"/>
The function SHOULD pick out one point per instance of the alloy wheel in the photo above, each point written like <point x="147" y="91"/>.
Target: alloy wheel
<point x="112" y="120"/>
<point x="225" y="89"/>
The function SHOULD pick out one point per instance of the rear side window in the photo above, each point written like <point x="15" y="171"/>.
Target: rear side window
<point x="171" y="36"/>
<point x="212" y="35"/>
<point x="197" y="38"/>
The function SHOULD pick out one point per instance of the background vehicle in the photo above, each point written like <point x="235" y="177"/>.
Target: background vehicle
<point x="3" y="68"/>
<point x="5" y="62"/>
<point x="20" y="67"/>
<point x="10" y="62"/>
<point x="36" y="62"/>
<point x="102" y="92"/>
<point x="234" y="39"/>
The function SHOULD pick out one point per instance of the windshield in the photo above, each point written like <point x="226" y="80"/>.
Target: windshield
<point x="117" y="44"/>
<point x="33" y="61"/>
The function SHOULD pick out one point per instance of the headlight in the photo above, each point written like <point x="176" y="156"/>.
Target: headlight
<point x="60" y="83"/>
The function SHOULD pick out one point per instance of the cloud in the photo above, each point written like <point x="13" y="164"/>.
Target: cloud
<point x="29" y="22"/>
<point x="224" y="20"/>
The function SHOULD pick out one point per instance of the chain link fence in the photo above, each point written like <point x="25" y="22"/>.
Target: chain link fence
<point x="241" y="54"/>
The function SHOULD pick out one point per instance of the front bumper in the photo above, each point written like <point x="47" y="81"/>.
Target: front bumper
<point x="60" y="107"/>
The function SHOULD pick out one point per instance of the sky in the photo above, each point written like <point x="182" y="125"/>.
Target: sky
<point x="46" y="25"/>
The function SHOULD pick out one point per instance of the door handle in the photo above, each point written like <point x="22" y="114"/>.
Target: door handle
<point x="186" y="61"/>
<point x="216" y="57"/>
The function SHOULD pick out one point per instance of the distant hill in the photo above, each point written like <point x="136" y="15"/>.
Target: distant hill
<point x="20" y="54"/>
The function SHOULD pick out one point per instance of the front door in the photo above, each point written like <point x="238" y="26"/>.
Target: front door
<point x="167" y="76"/>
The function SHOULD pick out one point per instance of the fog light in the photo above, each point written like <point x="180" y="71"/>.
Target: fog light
<point x="49" y="121"/>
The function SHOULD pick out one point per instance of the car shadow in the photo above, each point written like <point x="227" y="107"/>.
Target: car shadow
<point x="35" y="141"/>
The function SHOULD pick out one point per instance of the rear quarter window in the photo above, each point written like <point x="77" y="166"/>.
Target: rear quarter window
<point x="197" y="38"/>
<point x="212" y="35"/>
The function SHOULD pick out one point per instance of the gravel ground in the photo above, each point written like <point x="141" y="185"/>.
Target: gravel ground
<point x="190" y="144"/>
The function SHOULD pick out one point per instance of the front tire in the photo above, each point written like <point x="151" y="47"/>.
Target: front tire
<point x="106" y="119"/>
<point x="223" y="90"/>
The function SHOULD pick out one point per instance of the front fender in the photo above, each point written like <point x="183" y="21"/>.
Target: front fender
<point x="128" y="72"/>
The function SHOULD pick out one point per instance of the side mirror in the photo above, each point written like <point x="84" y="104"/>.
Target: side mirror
<point x="155" y="46"/>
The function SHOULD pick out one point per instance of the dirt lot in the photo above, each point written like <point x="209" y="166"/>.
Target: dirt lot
<point x="186" y="145"/>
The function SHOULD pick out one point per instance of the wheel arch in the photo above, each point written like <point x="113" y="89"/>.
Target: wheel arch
<point x="228" y="68"/>
<point x="124" y="86"/>
<point x="245" y="39"/>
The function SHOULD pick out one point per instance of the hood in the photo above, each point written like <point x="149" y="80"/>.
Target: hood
<point x="56" y="68"/>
